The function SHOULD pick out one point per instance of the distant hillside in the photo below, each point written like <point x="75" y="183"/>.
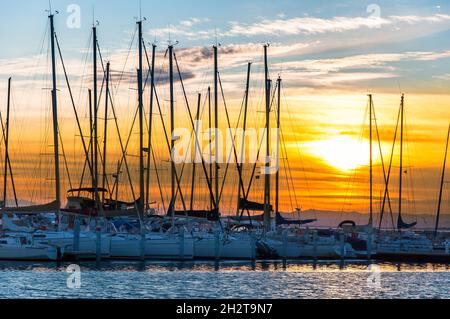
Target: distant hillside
<point x="333" y="218"/>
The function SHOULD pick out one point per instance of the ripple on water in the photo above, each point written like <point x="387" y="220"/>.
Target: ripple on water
<point x="124" y="280"/>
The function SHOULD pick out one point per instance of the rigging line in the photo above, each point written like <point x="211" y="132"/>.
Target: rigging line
<point x="177" y="178"/>
<point x="298" y="148"/>
<point x="246" y="194"/>
<point x="124" y="150"/>
<point x="352" y="178"/>
<point x="9" y="164"/>
<point x="125" y="63"/>
<point x="65" y="158"/>
<point x="289" y="169"/>
<point x="158" y="180"/>
<point x="258" y="154"/>
<point x="386" y="181"/>
<point x="205" y="170"/>
<point x="86" y="152"/>
<point x="239" y="168"/>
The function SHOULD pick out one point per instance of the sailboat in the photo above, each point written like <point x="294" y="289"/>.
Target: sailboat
<point x="404" y="244"/>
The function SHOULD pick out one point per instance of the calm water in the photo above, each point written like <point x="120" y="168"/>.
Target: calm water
<point x="227" y="280"/>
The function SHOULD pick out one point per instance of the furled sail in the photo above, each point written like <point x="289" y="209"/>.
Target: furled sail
<point x="280" y="220"/>
<point x="253" y="206"/>
<point x="402" y="225"/>
<point x="52" y="207"/>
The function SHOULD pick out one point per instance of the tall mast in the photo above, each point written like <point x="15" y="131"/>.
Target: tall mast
<point x="141" y="126"/>
<point x="197" y="118"/>
<point x="244" y="127"/>
<point x="172" y="128"/>
<point x="216" y="123"/>
<point x="55" y="116"/>
<point x="442" y="184"/>
<point x="402" y="115"/>
<point x="150" y="124"/>
<point x="277" y="177"/>
<point x="5" y="177"/>
<point x="267" y="175"/>
<point x="371" y="160"/>
<point x="105" y="134"/>
<point x="95" y="107"/>
<point x="91" y="136"/>
<point x="210" y="141"/>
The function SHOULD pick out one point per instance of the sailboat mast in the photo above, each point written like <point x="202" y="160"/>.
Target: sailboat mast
<point x="267" y="159"/>
<point x="150" y="124"/>
<point x="438" y="215"/>
<point x="194" y="165"/>
<point x="105" y="130"/>
<point x="91" y="134"/>
<point x="141" y="126"/>
<point x="371" y="159"/>
<point x="5" y="177"/>
<point x="216" y="122"/>
<point x="210" y="141"/>
<point x="277" y="177"/>
<point x="55" y="116"/>
<point x="172" y="128"/>
<point x="402" y="115"/>
<point x="95" y="107"/>
<point x="244" y="127"/>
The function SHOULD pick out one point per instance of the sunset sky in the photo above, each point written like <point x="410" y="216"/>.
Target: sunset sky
<point x="330" y="56"/>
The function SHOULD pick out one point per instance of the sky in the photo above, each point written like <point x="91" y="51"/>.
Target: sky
<point x="330" y="56"/>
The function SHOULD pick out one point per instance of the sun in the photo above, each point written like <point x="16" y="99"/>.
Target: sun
<point x="342" y="152"/>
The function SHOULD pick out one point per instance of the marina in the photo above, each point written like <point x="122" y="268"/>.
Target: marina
<point x="95" y="225"/>
<point x="274" y="158"/>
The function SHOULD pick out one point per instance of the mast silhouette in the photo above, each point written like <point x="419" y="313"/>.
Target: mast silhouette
<point x="105" y="139"/>
<point x="241" y="193"/>
<point x="438" y="215"/>
<point x="55" y="119"/>
<point x="141" y="125"/>
<point x="150" y="124"/>
<point x="267" y="207"/>
<point x="277" y="177"/>
<point x="172" y="128"/>
<point x="371" y="160"/>
<point x="216" y="122"/>
<point x="95" y="109"/>
<point x="6" y="136"/>
<point x="194" y="165"/>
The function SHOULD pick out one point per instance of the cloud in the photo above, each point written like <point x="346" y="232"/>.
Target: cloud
<point x="350" y="69"/>
<point x="281" y="26"/>
<point x="310" y="25"/>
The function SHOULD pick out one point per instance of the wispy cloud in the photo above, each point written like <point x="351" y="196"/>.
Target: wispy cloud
<point x="195" y="29"/>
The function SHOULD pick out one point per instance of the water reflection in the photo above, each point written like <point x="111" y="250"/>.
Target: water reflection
<point x="226" y="266"/>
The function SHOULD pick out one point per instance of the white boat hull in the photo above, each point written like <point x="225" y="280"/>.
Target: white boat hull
<point x="210" y="247"/>
<point x="156" y="246"/>
<point x="28" y="253"/>
<point x="302" y="250"/>
<point x="65" y="241"/>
